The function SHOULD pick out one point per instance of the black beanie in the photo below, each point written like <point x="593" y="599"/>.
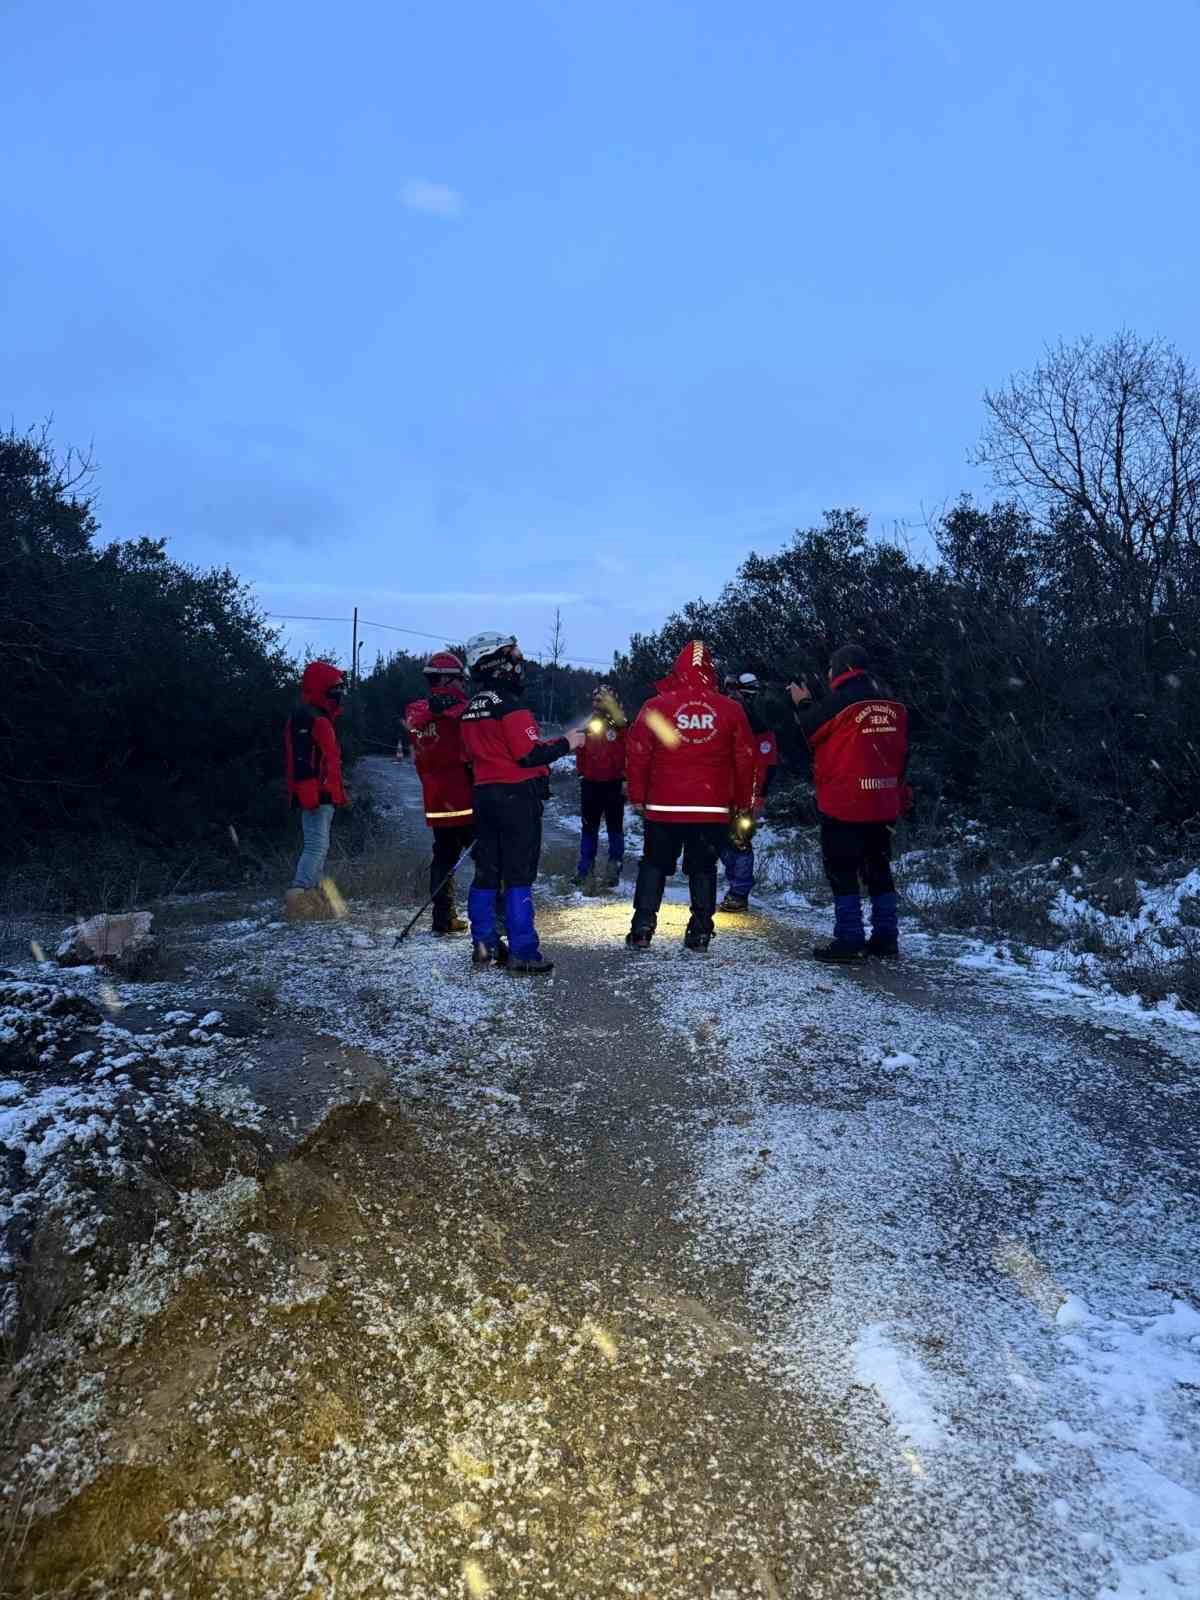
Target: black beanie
<point x="847" y="658"/>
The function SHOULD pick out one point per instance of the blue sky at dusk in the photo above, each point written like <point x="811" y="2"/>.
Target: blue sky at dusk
<point x="457" y="312"/>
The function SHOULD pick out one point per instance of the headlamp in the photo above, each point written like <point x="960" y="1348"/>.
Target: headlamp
<point x="595" y="725"/>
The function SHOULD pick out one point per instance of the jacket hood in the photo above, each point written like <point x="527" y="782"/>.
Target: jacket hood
<point x="693" y="669"/>
<point x="319" y="677"/>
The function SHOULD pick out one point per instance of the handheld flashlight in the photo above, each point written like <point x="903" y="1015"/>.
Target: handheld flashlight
<point x="595" y="725"/>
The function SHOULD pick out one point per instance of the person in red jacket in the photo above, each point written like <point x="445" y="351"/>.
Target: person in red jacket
<point x="510" y="765"/>
<point x="601" y="767"/>
<point x="434" y="727"/>
<point x="690" y="769"/>
<point x="313" y="764"/>
<point x="858" y="735"/>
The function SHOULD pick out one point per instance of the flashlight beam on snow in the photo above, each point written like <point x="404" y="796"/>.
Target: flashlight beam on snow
<point x="601" y="1339"/>
<point x="476" y="1579"/>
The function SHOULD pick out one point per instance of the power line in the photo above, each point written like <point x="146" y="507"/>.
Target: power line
<point x="418" y="633"/>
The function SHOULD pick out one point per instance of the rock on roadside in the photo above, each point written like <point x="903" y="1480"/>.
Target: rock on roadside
<point x="125" y="943"/>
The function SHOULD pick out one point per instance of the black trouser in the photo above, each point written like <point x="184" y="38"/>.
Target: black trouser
<point x="448" y="845"/>
<point x="855" y="853"/>
<point x="701" y="844"/>
<point x="602" y="800"/>
<point x="508" y="834"/>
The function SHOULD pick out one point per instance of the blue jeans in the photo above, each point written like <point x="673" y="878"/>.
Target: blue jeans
<point x="314" y="826"/>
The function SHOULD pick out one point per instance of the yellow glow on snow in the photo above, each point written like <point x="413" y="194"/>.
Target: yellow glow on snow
<point x="334" y="895"/>
<point x="916" y="1465"/>
<point x="606" y="920"/>
<point x="475" y="1579"/>
<point x="662" y="729"/>
<point x="602" y="1339"/>
<point x="1030" y="1276"/>
<point x="110" y="999"/>
<point x="38" y="953"/>
<point x="470" y="1466"/>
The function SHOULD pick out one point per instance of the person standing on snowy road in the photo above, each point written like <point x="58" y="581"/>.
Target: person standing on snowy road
<point x="313" y="767"/>
<point x="738" y="858"/>
<point x="434" y="725"/>
<point x="601" y="767"/>
<point x="690" y="768"/>
<point x="510" y="763"/>
<point x="858" y="736"/>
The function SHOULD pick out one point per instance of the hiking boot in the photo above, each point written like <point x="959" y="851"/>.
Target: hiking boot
<point x="612" y="875"/>
<point x="489" y="955"/>
<point x="735" y="902"/>
<point x="639" y="938"/>
<point x="530" y="964"/>
<point x="697" y="939"/>
<point x="886" y="946"/>
<point x="295" y="905"/>
<point x="453" y="924"/>
<point x="591" y="884"/>
<point x="838" y="951"/>
<point x="307" y="905"/>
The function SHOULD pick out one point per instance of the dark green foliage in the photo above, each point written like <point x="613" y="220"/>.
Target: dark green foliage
<point x="143" y="700"/>
<point x="1041" y="698"/>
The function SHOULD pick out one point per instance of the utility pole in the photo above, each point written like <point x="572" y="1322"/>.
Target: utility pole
<point x="354" y="653"/>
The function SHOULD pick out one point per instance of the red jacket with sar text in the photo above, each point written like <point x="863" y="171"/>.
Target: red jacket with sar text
<point x="691" y="755"/>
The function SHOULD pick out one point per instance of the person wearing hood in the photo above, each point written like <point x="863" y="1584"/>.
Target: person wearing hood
<point x="510" y="765"/>
<point x="313" y="764"/>
<point x="691" y="773"/>
<point x="434" y="725"/>
<point x="601" y="767"/>
<point x="858" y="735"/>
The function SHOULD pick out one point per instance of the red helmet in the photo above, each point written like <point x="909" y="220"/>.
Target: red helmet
<point x="444" y="664"/>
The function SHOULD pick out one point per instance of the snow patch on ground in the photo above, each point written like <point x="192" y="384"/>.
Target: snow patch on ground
<point x="935" y="1241"/>
<point x="901" y="1383"/>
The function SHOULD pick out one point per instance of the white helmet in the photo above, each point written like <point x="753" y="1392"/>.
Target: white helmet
<point x="483" y="645"/>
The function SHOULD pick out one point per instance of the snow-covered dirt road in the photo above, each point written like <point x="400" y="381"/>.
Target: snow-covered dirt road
<point x="869" y="1281"/>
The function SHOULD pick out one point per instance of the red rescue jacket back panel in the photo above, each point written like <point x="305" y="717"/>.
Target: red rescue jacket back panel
<point x="859" y="757"/>
<point x="690" y="755"/>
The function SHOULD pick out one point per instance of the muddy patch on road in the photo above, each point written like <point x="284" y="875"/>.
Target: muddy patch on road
<point x="350" y="1377"/>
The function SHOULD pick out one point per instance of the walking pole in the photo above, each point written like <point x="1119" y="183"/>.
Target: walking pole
<point x="400" y="938"/>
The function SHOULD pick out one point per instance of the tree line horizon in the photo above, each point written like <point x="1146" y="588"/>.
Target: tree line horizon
<point x="1048" y="646"/>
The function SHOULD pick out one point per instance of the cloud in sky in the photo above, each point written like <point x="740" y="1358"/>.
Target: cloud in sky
<point x="436" y="199"/>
